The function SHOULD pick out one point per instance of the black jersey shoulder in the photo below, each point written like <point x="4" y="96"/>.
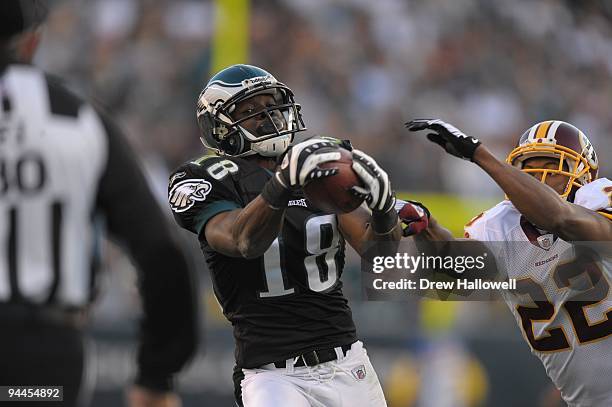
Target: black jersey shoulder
<point x="218" y="171"/>
<point x="202" y="188"/>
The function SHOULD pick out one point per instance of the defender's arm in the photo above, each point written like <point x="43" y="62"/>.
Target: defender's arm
<point x="358" y="228"/>
<point x="435" y="232"/>
<point x="541" y="205"/>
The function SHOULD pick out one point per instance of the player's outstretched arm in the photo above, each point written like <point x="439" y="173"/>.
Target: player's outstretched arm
<point x="539" y="203"/>
<point x="435" y="232"/>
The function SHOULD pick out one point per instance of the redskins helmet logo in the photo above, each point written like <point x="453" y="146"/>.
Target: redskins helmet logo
<point x="588" y="151"/>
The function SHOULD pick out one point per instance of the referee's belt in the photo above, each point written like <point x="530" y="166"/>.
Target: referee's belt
<point x="314" y="357"/>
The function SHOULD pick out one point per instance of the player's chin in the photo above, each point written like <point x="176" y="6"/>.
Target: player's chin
<point x="558" y="184"/>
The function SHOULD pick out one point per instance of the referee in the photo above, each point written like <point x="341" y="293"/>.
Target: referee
<point x="64" y="170"/>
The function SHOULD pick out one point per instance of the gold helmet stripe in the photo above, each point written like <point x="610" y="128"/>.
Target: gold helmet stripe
<point x="542" y="130"/>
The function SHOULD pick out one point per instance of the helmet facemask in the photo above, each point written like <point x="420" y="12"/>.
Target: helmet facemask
<point x="578" y="170"/>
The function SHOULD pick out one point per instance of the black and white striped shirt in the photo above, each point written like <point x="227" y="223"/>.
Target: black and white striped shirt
<point x="63" y="165"/>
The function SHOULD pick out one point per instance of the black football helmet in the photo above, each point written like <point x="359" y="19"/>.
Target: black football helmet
<point x="226" y="136"/>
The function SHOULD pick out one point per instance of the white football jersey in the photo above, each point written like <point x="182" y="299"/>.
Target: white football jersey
<point x="563" y="306"/>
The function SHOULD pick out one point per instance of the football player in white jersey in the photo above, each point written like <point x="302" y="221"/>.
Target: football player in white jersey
<point x="562" y="302"/>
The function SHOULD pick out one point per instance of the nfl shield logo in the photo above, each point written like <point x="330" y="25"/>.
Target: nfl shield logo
<point x="545" y="241"/>
<point x="359" y="372"/>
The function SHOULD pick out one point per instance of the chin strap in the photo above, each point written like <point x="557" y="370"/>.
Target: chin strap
<point x="273" y="147"/>
<point x="606" y="214"/>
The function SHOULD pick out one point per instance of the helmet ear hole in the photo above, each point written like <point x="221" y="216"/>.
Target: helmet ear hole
<point x="233" y="144"/>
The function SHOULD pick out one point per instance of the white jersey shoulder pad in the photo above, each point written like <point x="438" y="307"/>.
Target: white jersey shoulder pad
<point x="495" y="224"/>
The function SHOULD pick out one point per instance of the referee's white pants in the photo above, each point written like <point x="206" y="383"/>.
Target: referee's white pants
<point x="349" y="381"/>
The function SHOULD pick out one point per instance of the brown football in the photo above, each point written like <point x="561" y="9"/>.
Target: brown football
<point x="332" y="194"/>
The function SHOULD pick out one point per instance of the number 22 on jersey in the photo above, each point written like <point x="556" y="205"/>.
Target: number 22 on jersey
<point x="576" y="307"/>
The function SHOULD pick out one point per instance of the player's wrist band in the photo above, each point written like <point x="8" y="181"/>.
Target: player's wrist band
<point x="471" y="149"/>
<point x="388" y="232"/>
<point x="276" y="194"/>
<point x="384" y="223"/>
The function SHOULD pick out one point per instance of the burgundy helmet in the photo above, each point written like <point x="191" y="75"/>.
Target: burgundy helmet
<point x="561" y="140"/>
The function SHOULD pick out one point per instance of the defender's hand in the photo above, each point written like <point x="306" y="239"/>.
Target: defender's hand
<point x="301" y="163"/>
<point x="414" y="217"/>
<point x="448" y="136"/>
<point x="377" y="192"/>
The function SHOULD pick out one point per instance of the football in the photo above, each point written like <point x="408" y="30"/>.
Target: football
<point x="332" y="194"/>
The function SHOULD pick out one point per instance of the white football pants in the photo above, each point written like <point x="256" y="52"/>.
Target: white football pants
<point x="349" y="381"/>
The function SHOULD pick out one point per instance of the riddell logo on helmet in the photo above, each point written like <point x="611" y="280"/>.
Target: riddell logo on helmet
<point x="254" y="81"/>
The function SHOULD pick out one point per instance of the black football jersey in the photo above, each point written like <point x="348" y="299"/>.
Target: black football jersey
<point x="286" y="302"/>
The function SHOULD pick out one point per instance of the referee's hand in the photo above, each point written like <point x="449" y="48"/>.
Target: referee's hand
<point x="141" y="397"/>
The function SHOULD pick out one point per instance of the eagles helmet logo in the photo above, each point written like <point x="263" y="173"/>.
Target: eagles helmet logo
<point x="186" y="193"/>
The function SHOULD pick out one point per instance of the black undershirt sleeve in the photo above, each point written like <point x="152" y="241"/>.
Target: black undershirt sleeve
<point x="165" y="279"/>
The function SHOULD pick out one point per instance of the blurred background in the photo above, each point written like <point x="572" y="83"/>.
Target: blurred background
<point x="360" y="69"/>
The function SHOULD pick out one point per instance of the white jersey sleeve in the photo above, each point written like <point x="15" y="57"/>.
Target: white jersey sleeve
<point x="493" y="226"/>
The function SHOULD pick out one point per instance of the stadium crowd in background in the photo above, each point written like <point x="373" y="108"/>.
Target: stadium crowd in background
<point x="360" y="67"/>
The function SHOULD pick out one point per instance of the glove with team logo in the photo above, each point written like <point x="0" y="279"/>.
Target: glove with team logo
<point x="448" y="136"/>
<point x="299" y="166"/>
<point x="414" y="217"/>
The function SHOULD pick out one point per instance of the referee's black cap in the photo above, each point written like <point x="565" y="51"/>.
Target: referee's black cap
<point x="20" y="15"/>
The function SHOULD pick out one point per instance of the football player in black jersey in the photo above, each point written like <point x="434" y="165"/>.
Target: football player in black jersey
<point x="276" y="259"/>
